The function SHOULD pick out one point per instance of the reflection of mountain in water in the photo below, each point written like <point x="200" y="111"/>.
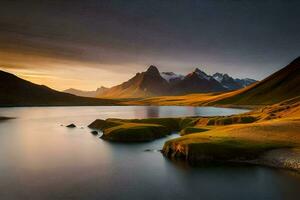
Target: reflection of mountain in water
<point x="153" y="111"/>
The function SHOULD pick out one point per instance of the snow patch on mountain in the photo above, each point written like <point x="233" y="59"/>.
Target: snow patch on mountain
<point x="218" y="77"/>
<point x="202" y="74"/>
<point x="169" y="76"/>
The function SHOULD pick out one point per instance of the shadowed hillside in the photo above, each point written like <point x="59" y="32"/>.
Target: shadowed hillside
<point x="15" y="91"/>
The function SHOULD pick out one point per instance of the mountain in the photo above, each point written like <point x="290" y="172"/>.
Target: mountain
<point x="148" y="83"/>
<point x="154" y="83"/>
<point x="232" y="84"/>
<point x="245" y="82"/>
<point x="83" y="93"/>
<point x="197" y="82"/>
<point x="171" y="77"/>
<point x="280" y="86"/>
<point x="15" y="91"/>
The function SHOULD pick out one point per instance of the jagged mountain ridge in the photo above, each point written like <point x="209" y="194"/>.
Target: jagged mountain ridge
<point x="231" y="83"/>
<point x="148" y="83"/>
<point x="154" y="83"/>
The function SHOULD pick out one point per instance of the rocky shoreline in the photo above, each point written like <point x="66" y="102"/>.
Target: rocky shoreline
<point x="285" y="158"/>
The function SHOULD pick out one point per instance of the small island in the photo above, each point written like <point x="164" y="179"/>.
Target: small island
<point x="5" y="118"/>
<point x="138" y="130"/>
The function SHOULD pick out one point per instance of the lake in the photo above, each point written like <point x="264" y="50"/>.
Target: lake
<point x="40" y="159"/>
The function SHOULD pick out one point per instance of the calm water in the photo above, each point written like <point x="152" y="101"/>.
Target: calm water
<point x="40" y="159"/>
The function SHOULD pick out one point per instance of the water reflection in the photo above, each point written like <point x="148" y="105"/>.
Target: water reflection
<point x="152" y="111"/>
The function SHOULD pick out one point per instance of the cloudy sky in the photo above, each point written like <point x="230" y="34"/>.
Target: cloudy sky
<point x="86" y="44"/>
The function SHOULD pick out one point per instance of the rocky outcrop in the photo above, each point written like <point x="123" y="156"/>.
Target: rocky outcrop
<point x="275" y="155"/>
<point x="71" y="126"/>
<point x="94" y="132"/>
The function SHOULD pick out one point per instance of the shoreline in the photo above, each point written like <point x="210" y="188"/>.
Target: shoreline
<point x="284" y="159"/>
<point x="2" y="118"/>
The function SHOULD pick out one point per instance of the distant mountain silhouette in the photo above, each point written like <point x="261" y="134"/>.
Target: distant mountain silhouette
<point x="197" y="82"/>
<point x="171" y="77"/>
<point x="15" y="91"/>
<point x="83" y="93"/>
<point x="283" y="84"/>
<point x="230" y="83"/>
<point x="154" y="83"/>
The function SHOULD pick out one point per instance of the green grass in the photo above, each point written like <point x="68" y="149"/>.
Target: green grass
<point x="140" y="129"/>
<point x="137" y="129"/>
<point x="236" y="119"/>
<point x="104" y="124"/>
<point x="135" y="132"/>
<point x="190" y="130"/>
<point x="171" y="123"/>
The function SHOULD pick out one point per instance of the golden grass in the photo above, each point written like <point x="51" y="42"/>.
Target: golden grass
<point x="200" y="99"/>
<point x="238" y="138"/>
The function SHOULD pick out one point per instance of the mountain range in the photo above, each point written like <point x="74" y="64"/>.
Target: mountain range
<point x="280" y="86"/>
<point x="155" y="83"/>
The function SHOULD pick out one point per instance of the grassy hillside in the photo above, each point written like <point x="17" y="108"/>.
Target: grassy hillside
<point x="270" y="138"/>
<point x="190" y="99"/>
<point x="15" y="91"/>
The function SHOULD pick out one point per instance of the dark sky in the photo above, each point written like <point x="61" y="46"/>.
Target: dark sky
<point x="239" y="37"/>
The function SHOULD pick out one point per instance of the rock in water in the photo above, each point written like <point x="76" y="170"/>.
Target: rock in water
<point x="94" y="132"/>
<point x="71" y="126"/>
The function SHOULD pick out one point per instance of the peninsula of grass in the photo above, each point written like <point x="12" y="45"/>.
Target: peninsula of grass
<point x="140" y="130"/>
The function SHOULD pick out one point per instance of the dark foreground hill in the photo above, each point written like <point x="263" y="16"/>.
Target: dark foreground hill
<point x="15" y="91"/>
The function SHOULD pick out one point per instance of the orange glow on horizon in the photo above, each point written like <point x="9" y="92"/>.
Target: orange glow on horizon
<point x="60" y="74"/>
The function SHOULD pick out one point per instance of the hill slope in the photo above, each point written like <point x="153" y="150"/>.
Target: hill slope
<point x="83" y="93"/>
<point x="15" y="91"/>
<point x="283" y="84"/>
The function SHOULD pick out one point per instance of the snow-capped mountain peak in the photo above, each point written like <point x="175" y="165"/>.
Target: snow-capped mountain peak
<point x="218" y="77"/>
<point x="202" y="74"/>
<point x="221" y="77"/>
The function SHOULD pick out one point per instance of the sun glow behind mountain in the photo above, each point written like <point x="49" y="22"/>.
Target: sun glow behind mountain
<point x="59" y="74"/>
